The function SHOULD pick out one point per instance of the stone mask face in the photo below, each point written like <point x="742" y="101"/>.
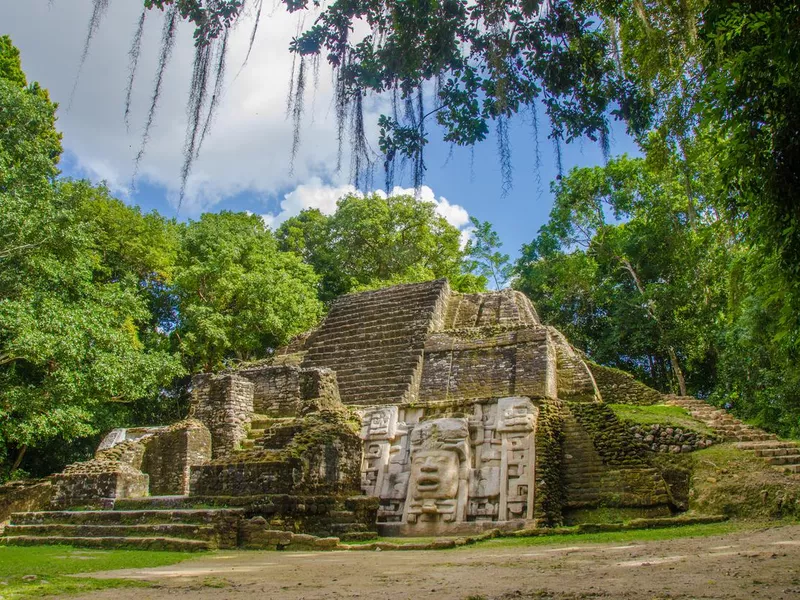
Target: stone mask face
<point x="435" y="474"/>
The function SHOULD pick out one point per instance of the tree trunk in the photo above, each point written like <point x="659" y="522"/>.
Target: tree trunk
<point x="676" y="368"/>
<point x="20" y="456"/>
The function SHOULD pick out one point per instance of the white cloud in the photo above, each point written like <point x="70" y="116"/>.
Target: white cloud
<point x="313" y="194"/>
<point x="248" y="147"/>
<point x="316" y="194"/>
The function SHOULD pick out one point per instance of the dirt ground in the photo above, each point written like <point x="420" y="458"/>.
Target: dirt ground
<point x="743" y="565"/>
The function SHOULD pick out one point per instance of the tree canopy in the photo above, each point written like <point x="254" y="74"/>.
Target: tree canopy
<point x="377" y="240"/>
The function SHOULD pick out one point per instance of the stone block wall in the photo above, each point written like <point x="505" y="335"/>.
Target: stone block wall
<point x="170" y="454"/>
<point x="550" y="490"/>
<point x="23" y="496"/>
<point x="494" y="309"/>
<point x="575" y="380"/>
<point x="91" y="483"/>
<point x="458" y="366"/>
<point x="224" y="404"/>
<point x="619" y="387"/>
<point x="667" y="438"/>
<point x="604" y="466"/>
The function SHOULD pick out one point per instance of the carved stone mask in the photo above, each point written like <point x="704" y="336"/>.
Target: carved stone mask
<point x="435" y="474"/>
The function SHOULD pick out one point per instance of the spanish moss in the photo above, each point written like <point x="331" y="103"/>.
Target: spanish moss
<point x="99" y="9"/>
<point x="361" y="165"/>
<point x="418" y="174"/>
<point x="259" y="5"/>
<point x="605" y="143"/>
<point x="298" y="102"/>
<point x="559" y="163"/>
<point x="133" y="53"/>
<point x="504" y="155"/>
<point x="194" y="110"/>
<point x="219" y="78"/>
<point x="167" y="44"/>
<point x="290" y="95"/>
<point x="537" y="151"/>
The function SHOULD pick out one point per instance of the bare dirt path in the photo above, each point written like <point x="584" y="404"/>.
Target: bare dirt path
<point x="743" y="565"/>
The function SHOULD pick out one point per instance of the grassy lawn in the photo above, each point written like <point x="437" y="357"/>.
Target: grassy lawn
<point x="29" y="571"/>
<point x="661" y="414"/>
<point x="635" y="535"/>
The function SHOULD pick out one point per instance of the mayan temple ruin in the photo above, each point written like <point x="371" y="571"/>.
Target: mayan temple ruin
<point x="411" y="411"/>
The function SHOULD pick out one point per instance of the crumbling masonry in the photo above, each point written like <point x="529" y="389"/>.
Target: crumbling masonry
<point x="411" y="410"/>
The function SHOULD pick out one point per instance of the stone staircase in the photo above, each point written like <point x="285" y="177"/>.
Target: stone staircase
<point x="269" y="432"/>
<point x="589" y="481"/>
<point x="374" y="341"/>
<point x="181" y="529"/>
<point x="783" y="455"/>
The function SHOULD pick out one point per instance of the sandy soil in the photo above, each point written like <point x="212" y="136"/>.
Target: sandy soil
<point x="743" y="565"/>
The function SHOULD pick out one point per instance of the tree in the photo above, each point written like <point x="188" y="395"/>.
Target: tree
<point x="486" y="258"/>
<point x="643" y="292"/>
<point x="70" y="332"/>
<point x="374" y="241"/>
<point x="237" y="294"/>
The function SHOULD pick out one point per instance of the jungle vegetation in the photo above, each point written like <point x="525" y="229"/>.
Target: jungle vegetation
<point x="681" y="266"/>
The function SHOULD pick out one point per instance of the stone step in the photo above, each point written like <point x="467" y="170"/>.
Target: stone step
<point x="368" y="397"/>
<point x="373" y="350"/>
<point x="407" y="362"/>
<point x="768" y="452"/>
<point x="169" y="530"/>
<point x="397" y="312"/>
<point x="139" y="543"/>
<point x="342" y="516"/>
<point x="789" y="469"/>
<point x="776" y="444"/>
<point x="366" y="300"/>
<point x="390" y="377"/>
<point x="265" y="422"/>
<point x="789" y="459"/>
<point x="124" y="517"/>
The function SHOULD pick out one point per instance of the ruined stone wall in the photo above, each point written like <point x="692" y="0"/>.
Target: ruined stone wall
<point x="668" y="438"/>
<point x="491" y="309"/>
<point x="92" y="482"/>
<point x="23" y="496"/>
<point x="224" y="404"/>
<point x="170" y="454"/>
<point x="575" y="380"/>
<point x="619" y="387"/>
<point x="604" y="465"/>
<point x="456" y="366"/>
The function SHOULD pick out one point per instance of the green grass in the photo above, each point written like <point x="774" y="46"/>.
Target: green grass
<point x="660" y="414"/>
<point x="52" y="565"/>
<point x="635" y="535"/>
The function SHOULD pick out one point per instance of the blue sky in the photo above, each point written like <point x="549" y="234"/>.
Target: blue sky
<point x="244" y="164"/>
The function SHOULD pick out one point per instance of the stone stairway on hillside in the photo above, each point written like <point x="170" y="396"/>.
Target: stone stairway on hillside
<point x="182" y="529"/>
<point x="589" y="481"/>
<point x="374" y="341"/>
<point x="783" y="455"/>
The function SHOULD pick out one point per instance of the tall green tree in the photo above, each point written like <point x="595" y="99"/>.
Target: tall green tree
<point x="238" y="295"/>
<point x="374" y="241"/>
<point x="70" y="322"/>
<point x="485" y="258"/>
<point x="644" y="291"/>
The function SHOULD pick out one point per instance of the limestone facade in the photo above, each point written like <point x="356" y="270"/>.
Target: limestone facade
<point x="444" y="412"/>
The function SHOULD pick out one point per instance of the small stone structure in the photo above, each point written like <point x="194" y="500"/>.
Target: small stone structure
<point x="411" y="410"/>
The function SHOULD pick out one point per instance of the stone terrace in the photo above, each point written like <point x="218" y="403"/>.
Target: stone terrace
<point x="374" y="341"/>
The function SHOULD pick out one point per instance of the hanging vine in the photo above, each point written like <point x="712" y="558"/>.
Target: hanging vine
<point x="473" y="62"/>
